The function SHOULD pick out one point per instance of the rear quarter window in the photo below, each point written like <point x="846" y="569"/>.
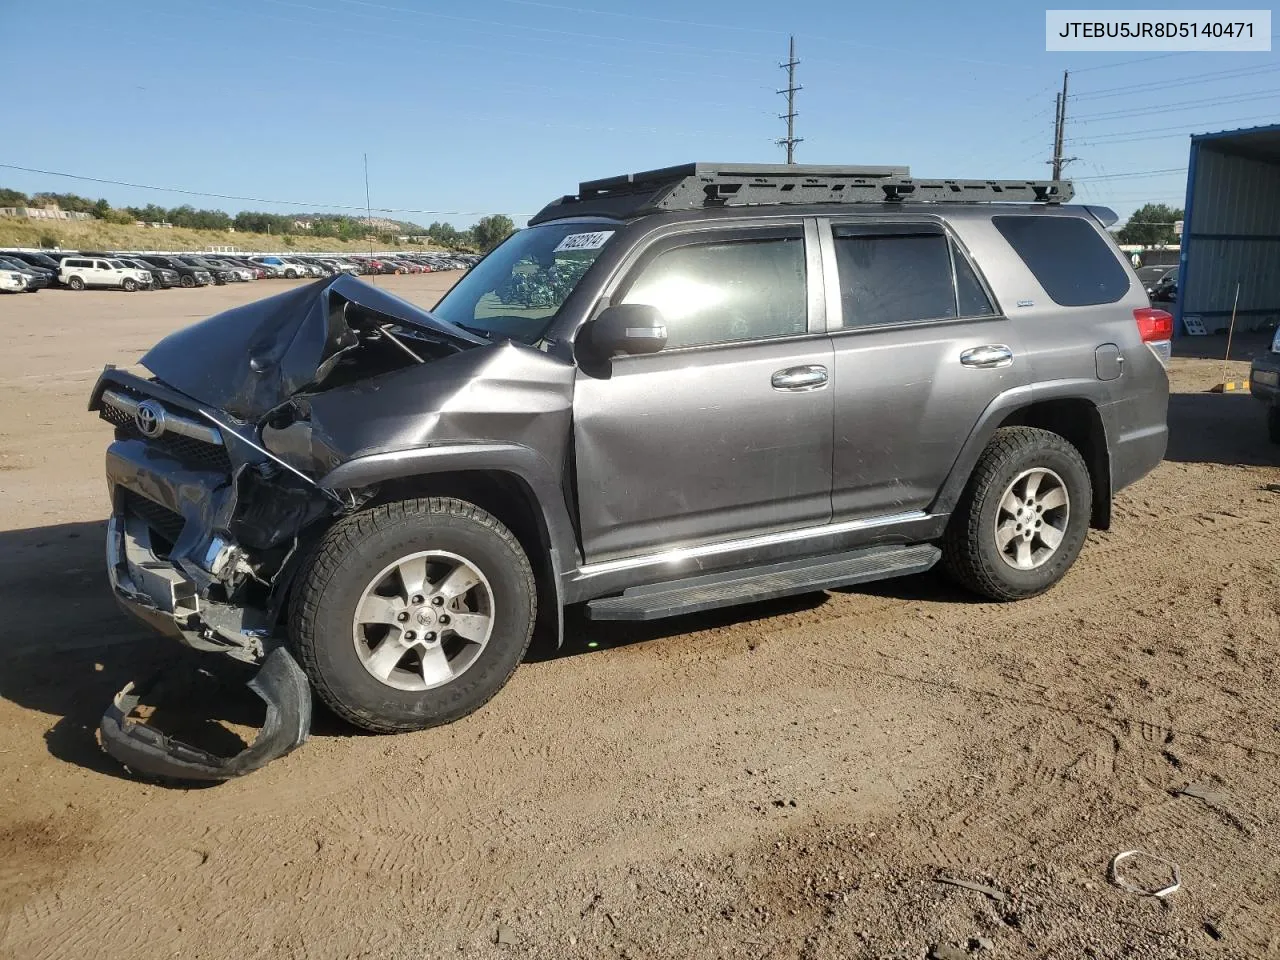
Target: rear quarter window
<point x="1073" y="263"/>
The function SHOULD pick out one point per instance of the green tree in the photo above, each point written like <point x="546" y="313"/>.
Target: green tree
<point x="12" y="198"/>
<point x="1150" y="224"/>
<point x="491" y="231"/>
<point x="101" y="209"/>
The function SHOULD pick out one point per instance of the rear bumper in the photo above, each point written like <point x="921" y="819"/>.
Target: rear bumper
<point x="1264" y="379"/>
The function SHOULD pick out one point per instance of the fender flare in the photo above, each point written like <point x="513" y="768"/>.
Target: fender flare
<point x="996" y="412"/>
<point x="524" y="463"/>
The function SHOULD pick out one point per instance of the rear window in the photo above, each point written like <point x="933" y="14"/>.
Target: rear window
<point x="1074" y="264"/>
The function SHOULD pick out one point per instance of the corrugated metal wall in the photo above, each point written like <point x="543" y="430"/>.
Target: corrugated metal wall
<point x="1233" y="235"/>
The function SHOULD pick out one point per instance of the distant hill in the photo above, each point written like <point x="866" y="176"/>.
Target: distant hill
<point x="100" y="234"/>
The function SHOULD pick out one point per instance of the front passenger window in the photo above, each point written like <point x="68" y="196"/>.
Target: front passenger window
<point x="727" y="291"/>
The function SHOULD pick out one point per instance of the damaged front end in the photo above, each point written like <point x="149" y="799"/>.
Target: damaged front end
<point x="214" y="478"/>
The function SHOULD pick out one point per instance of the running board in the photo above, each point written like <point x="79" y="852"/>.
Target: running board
<point x="767" y="582"/>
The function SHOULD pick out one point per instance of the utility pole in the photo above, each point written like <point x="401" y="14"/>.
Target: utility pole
<point x="1059" y="130"/>
<point x="368" y="205"/>
<point x="791" y="139"/>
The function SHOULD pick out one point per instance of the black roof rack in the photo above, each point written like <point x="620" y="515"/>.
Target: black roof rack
<point x="695" y="186"/>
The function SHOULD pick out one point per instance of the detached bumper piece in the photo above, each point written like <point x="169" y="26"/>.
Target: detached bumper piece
<point x="147" y="752"/>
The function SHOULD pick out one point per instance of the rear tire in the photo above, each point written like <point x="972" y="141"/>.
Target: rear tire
<point x="75" y="283"/>
<point x="1023" y="517"/>
<point x="353" y="599"/>
<point x="1273" y="424"/>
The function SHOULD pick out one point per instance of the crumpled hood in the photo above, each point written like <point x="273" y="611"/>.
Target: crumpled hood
<point x="250" y="359"/>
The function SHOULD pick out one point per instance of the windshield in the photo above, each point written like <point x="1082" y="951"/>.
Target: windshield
<point x="517" y="290"/>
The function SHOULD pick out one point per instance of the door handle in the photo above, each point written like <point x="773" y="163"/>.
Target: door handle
<point x="811" y="376"/>
<point x="987" y="356"/>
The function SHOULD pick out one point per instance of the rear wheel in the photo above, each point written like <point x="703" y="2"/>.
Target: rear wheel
<point x="75" y="283"/>
<point x="413" y="614"/>
<point x="129" y="284"/>
<point x="1273" y="424"/>
<point x="1023" y="517"/>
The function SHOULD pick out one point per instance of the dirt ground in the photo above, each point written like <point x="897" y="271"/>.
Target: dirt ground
<point x="784" y="780"/>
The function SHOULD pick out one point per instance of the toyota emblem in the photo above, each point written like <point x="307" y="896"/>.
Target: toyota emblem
<point x="149" y="419"/>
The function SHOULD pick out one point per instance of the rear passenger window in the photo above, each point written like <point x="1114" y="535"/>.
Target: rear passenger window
<point x="1074" y="264"/>
<point x="904" y="275"/>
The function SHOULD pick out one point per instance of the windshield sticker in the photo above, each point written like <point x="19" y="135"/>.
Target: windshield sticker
<point x="584" y="241"/>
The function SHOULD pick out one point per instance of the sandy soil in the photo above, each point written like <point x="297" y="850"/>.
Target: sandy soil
<point x="783" y="780"/>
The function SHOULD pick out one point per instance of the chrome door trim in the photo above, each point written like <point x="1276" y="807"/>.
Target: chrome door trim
<point x="748" y="543"/>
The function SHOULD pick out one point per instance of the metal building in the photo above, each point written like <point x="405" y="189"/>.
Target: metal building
<point x="1231" y="230"/>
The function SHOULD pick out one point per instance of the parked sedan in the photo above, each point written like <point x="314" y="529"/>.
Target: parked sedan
<point x="35" y="260"/>
<point x="12" y="281"/>
<point x="34" y="278"/>
<point x="220" y="274"/>
<point x="162" y="278"/>
<point x="188" y="275"/>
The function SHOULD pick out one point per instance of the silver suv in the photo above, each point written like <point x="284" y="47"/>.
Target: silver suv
<point x="676" y="390"/>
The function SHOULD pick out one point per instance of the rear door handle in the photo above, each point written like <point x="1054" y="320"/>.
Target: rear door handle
<point x="987" y="356"/>
<point x="811" y="376"/>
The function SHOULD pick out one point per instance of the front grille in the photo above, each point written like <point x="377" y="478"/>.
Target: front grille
<point x="192" y="453"/>
<point x="167" y="523"/>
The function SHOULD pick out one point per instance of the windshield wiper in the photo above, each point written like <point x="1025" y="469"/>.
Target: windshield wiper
<point x="478" y="331"/>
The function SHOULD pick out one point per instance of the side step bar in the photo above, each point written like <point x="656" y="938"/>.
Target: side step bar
<point x="767" y="582"/>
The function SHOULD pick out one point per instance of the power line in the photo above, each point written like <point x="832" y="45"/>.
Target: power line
<point x="1183" y="105"/>
<point x="1129" y="136"/>
<point x="790" y="140"/>
<point x="1194" y="78"/>
<point x="228" y="196"/>
<point x="1128" y="176"/>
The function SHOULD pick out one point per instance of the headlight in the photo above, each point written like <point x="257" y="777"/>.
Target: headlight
<point x="1275" y="342"/>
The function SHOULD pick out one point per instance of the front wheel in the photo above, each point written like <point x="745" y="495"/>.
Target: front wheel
<point x="188" y="282"/>
<point x="1023" y="517"/>
<point x="129" y="284"/>
<point x="413" y="614"/>
<point x="291" y="274"/>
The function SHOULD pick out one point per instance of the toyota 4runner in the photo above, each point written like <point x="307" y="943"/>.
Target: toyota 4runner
<point x="674" y="390"/>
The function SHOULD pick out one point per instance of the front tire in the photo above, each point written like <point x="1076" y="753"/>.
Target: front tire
<point x="413" y="614"/>
<point x="188" y="282"/>
<point x="129" y="284"/>
<point x="1023" y="517"/>
<point x="291" y="274"/>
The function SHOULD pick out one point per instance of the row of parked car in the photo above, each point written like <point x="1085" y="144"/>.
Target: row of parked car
<point x="30" y="271"/>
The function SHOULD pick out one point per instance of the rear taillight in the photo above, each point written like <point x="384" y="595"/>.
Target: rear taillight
<point x="1156" y="329"/>
<point x="1153" y="325"/>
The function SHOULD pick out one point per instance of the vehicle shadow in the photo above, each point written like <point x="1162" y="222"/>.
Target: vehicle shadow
<point x="1226" y="428"/>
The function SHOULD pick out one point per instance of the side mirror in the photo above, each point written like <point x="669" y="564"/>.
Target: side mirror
<point x="628" y="329"/>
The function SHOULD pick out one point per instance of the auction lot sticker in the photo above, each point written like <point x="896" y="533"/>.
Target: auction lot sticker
<point x="1114" y="31"/>
<point x="584" y="241"/>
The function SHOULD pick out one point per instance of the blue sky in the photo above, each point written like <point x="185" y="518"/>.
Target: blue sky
<point x="500" y="105"/>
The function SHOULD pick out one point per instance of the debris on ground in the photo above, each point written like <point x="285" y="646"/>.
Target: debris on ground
<point x="1160" y="890"/>
<point x="981" y="943"/>
<point x="989" y="891"/>
<point x="945" y="951"/>
<point x="506" y="937"/>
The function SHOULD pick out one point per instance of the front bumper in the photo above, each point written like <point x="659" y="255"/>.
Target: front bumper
<point x="280" y="684"/>
<point x="1264" y="379"/>
<point x="167" y="596"/>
